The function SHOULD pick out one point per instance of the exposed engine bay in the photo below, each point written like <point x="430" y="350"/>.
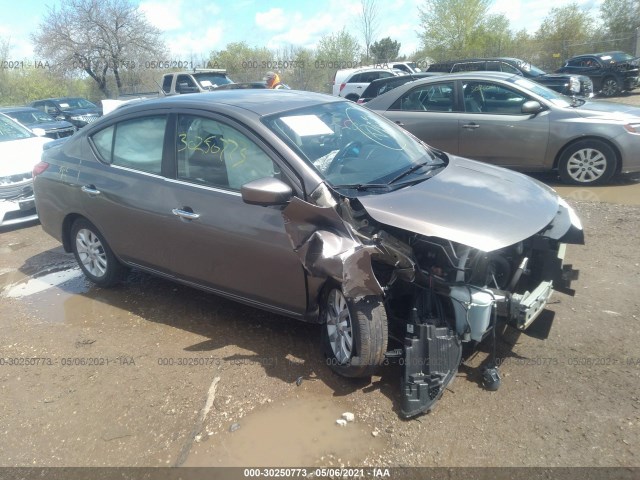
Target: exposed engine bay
<point x="439" y="295"/>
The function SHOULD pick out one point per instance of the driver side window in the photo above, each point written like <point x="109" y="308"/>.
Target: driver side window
<point x="214" y="154"/>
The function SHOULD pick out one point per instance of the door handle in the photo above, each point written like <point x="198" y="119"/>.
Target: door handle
<point x="398" y="122"/>
<point x="471" y="125"/>
<point x="185" y="214"/>
<point x="90" y="189"/>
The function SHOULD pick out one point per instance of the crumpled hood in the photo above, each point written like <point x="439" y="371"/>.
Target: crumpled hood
<point x="20" y="156"/>
<point x="471" y="203"/>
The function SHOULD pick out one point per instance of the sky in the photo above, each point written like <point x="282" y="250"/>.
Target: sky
<point x="196" y="27"/>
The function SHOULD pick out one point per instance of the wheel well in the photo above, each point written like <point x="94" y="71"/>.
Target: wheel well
<point x="66" y="230"/>
<point x="598" y="139"/>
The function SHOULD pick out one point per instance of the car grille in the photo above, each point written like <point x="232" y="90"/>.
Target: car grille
<point x="60" y="133"/>
<point x="16" y="186"/>
<point x="88" y="118"/>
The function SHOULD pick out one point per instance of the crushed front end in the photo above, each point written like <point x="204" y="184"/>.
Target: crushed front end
<point x="440" y="295"/>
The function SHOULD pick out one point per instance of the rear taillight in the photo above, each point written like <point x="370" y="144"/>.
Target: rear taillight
<point x="39" y="168"/>
<point x="342" y="85"/>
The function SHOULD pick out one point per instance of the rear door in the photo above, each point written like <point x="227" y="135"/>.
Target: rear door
<point x="125" y="193"/>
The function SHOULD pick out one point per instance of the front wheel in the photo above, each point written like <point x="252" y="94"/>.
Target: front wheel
<point x="355" y="334"/>
<point x="610" y="87"/>
<point x="588" y="162"/>
<point x="94" y="256"/>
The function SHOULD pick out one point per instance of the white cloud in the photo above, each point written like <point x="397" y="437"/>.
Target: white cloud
<point x="165" y="15"/>
<point x="196" y="43"/>
<point x="272" y="20"/>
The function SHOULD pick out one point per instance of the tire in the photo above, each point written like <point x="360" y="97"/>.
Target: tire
<point x="587" y="162"/>
<point x="355" y="334"/>
<point x="610" y="87"/>
<point x="94" y="256"/>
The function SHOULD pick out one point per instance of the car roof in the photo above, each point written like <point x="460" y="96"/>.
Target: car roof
<point x="17" y="109"/>
<point x="259" y="101"/>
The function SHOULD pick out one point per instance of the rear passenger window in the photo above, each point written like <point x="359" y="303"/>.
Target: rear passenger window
<point x="135" y="144"/>
<point x="427" y="98"/>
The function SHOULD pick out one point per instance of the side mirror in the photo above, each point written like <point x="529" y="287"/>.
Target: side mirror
<point x="266" y="192"/>
<point x="532" y="107"/>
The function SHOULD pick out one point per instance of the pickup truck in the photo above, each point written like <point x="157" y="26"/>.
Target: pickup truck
<point x="199" y="80"/>
<point x="568" y="84"/>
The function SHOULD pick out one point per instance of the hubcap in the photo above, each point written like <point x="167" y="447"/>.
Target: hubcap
<point x="91" y="252"/>
<point x="609" y="88"/>
<point x="339" y="326"/>
<point x="586" y="165"/>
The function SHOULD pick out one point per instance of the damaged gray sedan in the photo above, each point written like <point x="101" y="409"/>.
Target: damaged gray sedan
<point x="314" y="208"/>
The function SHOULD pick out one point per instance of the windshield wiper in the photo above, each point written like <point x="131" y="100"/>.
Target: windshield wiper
<point x="413" y="169"/>
<point x="361" y="186"/>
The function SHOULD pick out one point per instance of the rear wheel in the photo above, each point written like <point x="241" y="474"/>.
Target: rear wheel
<point x="94" y="256"/>
<point x="610" y="87"/>
<point x="355" y="334"/>
<point x="588" y="162"/>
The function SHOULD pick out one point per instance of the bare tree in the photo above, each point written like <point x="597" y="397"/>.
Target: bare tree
<point x="368" y="22"/>
<point x="103" y="38"/>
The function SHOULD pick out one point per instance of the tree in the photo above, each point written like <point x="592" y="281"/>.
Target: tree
<point x="620" y="20"/>
<point x="103" y="38"/>
<point x="242" y="62"/>
<point x="368" y="23"/>
<point x="450" y="27"/>
<point x="385" y="50"/>
<point x="566" y="31"/>
<point x="334" y="52"/>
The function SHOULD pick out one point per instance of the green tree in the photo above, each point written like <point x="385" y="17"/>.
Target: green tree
<point x="451" y="28"/>
<point x="566" y="31"/>
<point x="242" y="62"/>
<point x="620" y="19"/>
<point x="336" y="51"/>
<point x="385" y="50"/>
<point x="101" y="38"/>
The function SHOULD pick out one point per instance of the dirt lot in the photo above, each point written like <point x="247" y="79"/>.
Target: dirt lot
<point x="157" y="374"/>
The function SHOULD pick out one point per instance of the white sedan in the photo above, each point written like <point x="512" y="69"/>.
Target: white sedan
<point x="20" y="151"/>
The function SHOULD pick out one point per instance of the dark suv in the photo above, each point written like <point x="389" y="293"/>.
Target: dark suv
<point x="611" y="72"/>
<point x="568" y="84"/>
<point x="75" y="110"/>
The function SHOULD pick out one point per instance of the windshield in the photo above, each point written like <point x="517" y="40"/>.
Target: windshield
<point x="352" y="147"/>
<point x="73" y="103"/>
<point x="530" y="70"/>
<point x="31" y="117"/>
<point x="207" y="80"/>
<point x="554" y="97"/>
<point x="10" y="130"/>
<point x="617" y="57"/>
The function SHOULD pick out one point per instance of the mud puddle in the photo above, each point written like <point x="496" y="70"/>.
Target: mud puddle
<point x="297" y="432"/>
<point x="623" y="191"/>
<point x="64" y="296"/>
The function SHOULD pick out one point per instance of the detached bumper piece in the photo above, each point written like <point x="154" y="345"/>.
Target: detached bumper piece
<point x="432" y="357"/>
